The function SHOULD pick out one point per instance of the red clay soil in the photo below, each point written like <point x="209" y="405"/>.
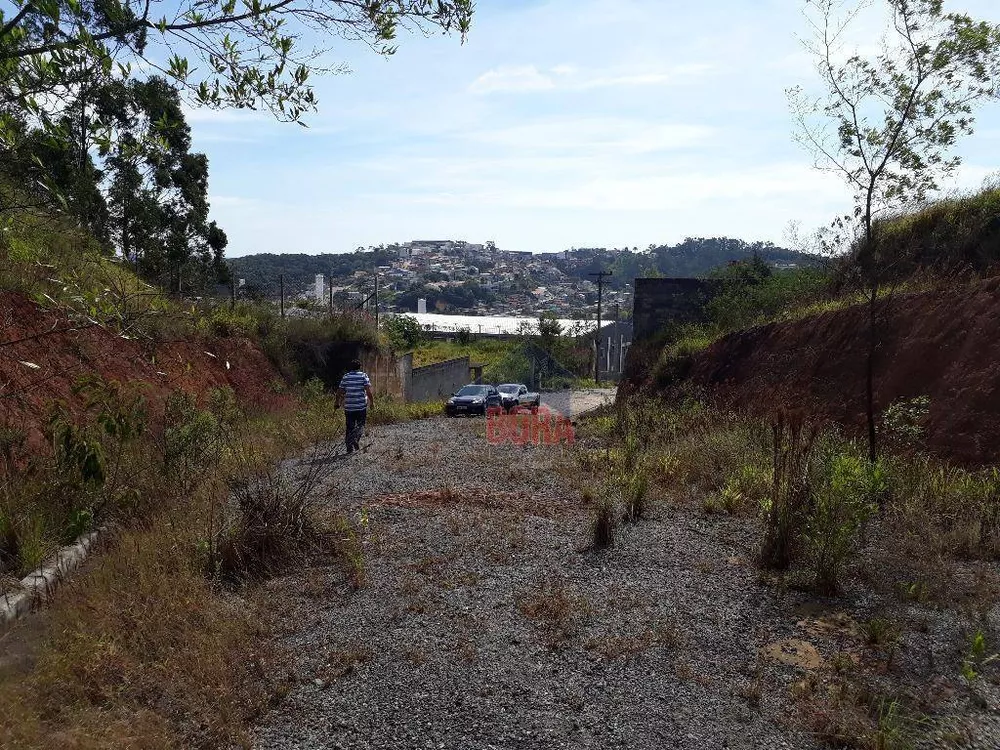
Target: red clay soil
<point x="943" y="344"/>
<point x="42" y="355"/>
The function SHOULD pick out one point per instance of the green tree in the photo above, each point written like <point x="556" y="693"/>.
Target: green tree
<point x="886" y="123"/>
<point x="549" y="331"/>
<point x="158" y="192"/>
<point x="404" y="333"/>
<point x="247" y="54"/>
<point x="55" y="55"/>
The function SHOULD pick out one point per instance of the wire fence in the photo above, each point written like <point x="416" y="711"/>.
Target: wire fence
<point x="291" y="297"/>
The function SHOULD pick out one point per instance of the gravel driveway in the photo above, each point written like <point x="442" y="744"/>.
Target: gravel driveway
<point x="486" y="622"/>
<point x="574" y="403"/>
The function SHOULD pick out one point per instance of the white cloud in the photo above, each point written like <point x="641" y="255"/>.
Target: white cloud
<point x="528" y="78"/>
<point x="512" y="78"/>
<point x="602" y="125"/>
<point x="231" y="201"/>
<point x="207" y="115"/>
<point x="594" y="135"/>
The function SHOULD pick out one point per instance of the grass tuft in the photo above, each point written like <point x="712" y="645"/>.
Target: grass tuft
<point x="603" y="526"/>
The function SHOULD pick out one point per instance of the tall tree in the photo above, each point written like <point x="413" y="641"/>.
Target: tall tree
<point x="158" y="191"/>
<point x="886" y="123"/>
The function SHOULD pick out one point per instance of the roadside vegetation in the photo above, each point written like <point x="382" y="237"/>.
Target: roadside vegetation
<point x="902" y="547"/>
<point x="160" y="638"/>
<point x="948" y="242"/>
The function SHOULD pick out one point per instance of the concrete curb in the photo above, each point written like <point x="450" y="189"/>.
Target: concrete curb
<point x="39" y="585"/>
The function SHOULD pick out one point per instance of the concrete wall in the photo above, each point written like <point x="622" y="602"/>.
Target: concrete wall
<point x="438" y="381"/>
<point x="386" y="374"/>
<point x="662" y="301"/>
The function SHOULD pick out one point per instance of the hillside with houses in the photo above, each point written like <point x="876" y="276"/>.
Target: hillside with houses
<point x="455" y="276"/>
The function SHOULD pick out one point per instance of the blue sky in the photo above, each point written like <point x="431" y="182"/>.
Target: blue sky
<point x="559" y="123"/>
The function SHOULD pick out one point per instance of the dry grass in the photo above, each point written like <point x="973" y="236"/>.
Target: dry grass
<point x="842" y="711"/>
<point x="627" y="644"/>
<point x="908" y="527"/>
<point x="415" y="655"/>
<point x="144" y="652"/>
<point x="557" y="611"/>
<point x="342" y="661"/>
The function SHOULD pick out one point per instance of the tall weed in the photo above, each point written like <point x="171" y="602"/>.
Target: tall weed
<point x="794" y="440"/>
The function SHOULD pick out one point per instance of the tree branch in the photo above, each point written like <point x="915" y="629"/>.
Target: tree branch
<point x="9" y="26"/>
<point x="141" y="23"/>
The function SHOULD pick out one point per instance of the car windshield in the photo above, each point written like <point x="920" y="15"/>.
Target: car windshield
<point x="509" y="388"/>
<point x="472" y="390"/>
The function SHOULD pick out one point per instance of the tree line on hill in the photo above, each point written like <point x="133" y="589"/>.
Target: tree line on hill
<point x="119" y="161"/>
<point x="692" y="258"/>
<point x="300" y="270"/>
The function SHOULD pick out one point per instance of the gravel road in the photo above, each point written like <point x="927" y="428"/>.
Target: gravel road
<point x="574" y="403"/>
<point x="485" y="622"/>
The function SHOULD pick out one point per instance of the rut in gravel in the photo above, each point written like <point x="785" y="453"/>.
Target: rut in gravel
<point x="485" y="621"/>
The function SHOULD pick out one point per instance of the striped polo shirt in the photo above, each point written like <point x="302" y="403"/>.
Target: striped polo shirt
<point x="354" y="384"/>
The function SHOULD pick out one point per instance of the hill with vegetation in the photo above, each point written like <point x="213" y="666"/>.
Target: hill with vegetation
<point x="300" y="270"/>
<point x="950" y="238"/>
<point x="125" y="407"/>
<point x="800" y="334"/>
<point x="692" y="258"/>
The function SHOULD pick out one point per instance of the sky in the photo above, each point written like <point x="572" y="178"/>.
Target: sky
<point x="557" y="124"/>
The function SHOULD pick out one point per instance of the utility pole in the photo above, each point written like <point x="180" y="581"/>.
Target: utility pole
<point x="597" y="335"/>
<point x="618" y="341"/>
<point x="376" y="299"/>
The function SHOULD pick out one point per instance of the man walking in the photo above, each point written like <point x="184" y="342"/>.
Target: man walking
<point x="354" y="393"/>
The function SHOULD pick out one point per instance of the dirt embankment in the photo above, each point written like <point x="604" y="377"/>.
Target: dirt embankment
<point x="43" y="354"/>
<point x="943" y="344"/>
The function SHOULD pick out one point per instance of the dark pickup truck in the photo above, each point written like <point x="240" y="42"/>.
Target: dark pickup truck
<point x="513" y="395"/>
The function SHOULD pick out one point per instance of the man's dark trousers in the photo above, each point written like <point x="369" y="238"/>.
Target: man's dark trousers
<point x="355" y="426"/>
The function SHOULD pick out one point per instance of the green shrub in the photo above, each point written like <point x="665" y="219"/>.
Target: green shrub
<point x="403" y="333"/>
<point x="977" y="657"/>
<point x="904" y="423"/>
<point x="190" y="439"/>
<point x="956" y="234"/>
<point x="844" y="495"/>
<point x="633" y="488"/>
<point x="318" y="347"/>
<point x="753" y="292"/>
